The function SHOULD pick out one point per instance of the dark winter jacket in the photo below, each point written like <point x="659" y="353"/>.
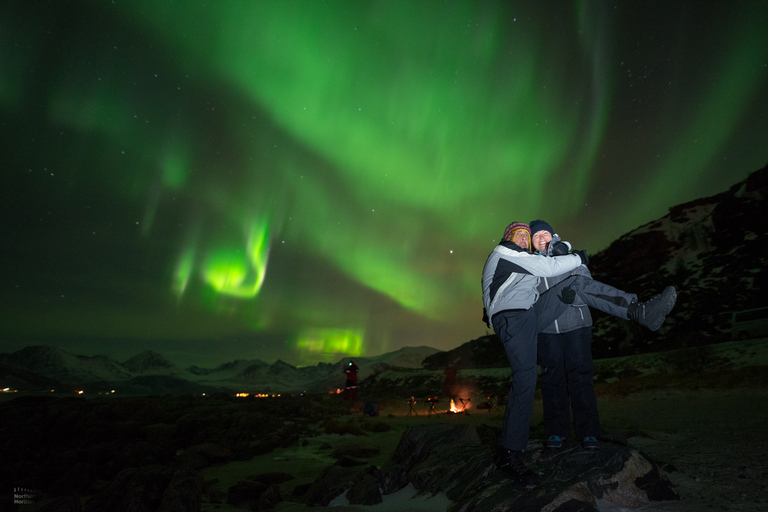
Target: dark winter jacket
<point x="511" y="276"/>
<point x="576" y="316"/>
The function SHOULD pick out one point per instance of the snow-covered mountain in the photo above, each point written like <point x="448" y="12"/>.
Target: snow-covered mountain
<point x="43" y="367"/>
<point x="150" y="363"/>
<point x="260" y="377"/>
<point x="59" y="365"/>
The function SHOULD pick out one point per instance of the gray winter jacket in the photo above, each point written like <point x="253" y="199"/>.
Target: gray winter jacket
<point x="511" y="276"/>
<point x="576" y="316"/>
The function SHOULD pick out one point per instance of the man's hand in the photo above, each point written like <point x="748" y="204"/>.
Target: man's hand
<point x="567" y="295"/>
<point x="583" y="255"/>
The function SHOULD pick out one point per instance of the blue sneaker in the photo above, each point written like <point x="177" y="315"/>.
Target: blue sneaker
<point x="590" y="443"/>
<point x="555" y="442"/>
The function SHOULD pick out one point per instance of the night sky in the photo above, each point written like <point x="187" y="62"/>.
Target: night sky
<point x="308" y="180"/>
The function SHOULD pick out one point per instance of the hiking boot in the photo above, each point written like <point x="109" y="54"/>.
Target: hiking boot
<point x="555" y="442"/>
<point x="590" y="443"/>
<point x="511" y="463"/>
<point x="651" y="314"/>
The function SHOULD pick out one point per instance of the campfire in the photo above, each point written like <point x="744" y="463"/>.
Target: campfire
<point x="457" y="405"/>
<point x="464" y="404"/>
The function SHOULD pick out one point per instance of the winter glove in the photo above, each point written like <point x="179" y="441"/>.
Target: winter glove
<point x="583" y="255"/>
<point x="567" y="295"/>
<point x="559" y="248"/>
<point x="486" y="320"/>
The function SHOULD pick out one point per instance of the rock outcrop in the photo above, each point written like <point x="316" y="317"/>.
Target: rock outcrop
<point x="457" y="460"/>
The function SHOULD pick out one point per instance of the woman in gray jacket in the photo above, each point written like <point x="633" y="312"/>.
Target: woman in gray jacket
<point x="565" y="357"/>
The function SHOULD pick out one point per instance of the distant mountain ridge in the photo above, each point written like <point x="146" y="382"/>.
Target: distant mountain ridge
<point x="41" y="368"/>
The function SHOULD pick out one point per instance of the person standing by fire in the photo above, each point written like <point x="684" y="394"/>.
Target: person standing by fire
<point x="449" y="386"/>
<point x="350" y="391"/>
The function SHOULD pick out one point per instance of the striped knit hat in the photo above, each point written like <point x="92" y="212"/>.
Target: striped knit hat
<point x="509" y="233"/>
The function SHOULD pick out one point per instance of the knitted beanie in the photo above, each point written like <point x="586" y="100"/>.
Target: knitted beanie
<point x="540" y="225"/>
<point x="509" y="233"/>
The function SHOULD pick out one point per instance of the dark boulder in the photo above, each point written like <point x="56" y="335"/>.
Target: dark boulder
<point x="184" y="492"/>
<point x="149" y="488"/>
<point x="366" y="490"/>
<point x="332" y="481"/>
<point x="457" y="460"/>
<point x="63" y="504"/>
<point x="212" y="453"/>
<point x="246" y="493"/>
<point x="270" y="498"/>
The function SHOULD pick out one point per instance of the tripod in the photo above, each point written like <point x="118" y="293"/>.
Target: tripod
<point x="411" y="409"/>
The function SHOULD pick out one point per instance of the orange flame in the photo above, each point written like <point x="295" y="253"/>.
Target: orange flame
<point x="455" y="409"/>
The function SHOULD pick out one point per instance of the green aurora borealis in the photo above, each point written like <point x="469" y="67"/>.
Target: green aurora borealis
<point x="306" y="180"/>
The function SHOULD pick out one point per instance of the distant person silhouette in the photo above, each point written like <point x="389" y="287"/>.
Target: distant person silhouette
<point x="450" y="384"/>
<point x="350" y="391"/>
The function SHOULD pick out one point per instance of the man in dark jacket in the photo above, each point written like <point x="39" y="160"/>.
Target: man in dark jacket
<point x="565" y="356"/>
<point x="518" y="313"/>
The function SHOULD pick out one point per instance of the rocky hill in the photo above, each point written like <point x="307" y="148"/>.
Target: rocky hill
<point x="713" y="250"/>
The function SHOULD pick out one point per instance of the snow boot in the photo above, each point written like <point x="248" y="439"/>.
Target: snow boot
<point x="511" y="463"/>
<point x="651" y="314"/>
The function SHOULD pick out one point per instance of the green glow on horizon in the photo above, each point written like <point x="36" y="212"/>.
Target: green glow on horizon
<point x="331" y="342"/>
